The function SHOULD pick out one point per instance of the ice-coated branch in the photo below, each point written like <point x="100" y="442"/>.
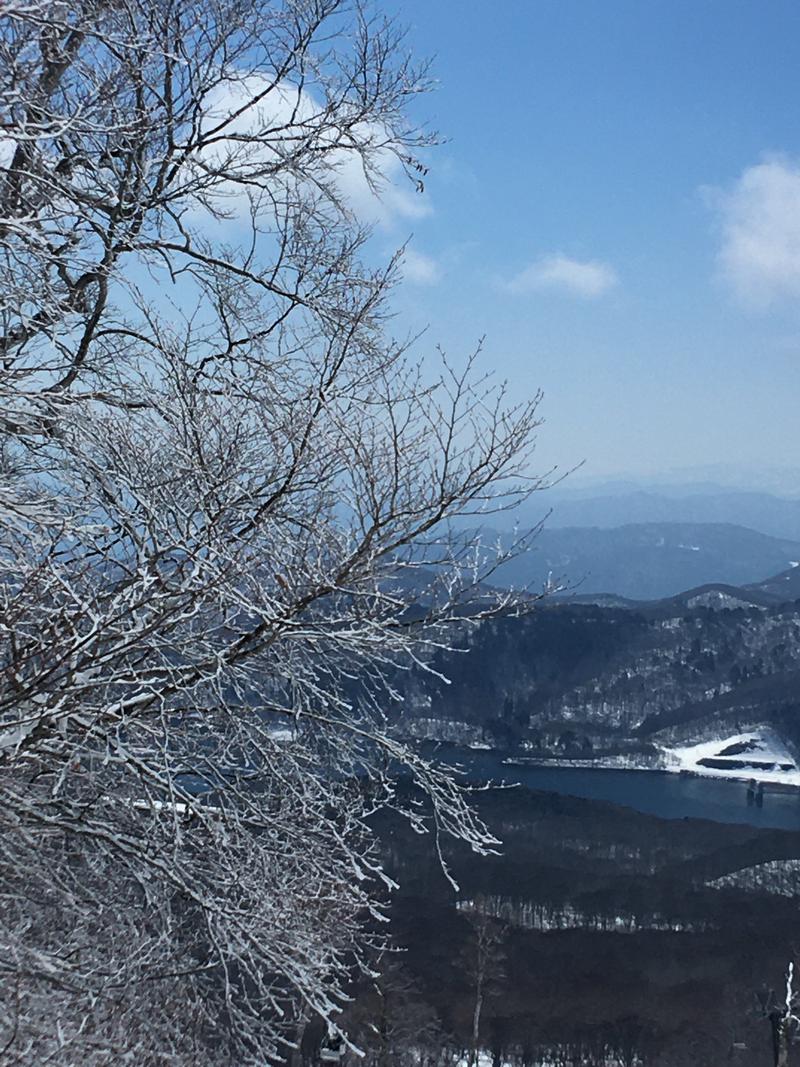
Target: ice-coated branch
<point x="229" y="521"/>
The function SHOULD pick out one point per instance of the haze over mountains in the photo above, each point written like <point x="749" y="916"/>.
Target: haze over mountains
<point x="765" y="512"/>
<point x="647" y="561"/>
<point x="655" y="539"/>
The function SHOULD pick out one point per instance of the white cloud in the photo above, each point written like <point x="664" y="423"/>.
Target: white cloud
<point x="760" y="224"/>
<point x="582" y="278"/>
<point x="394" y="198"/>
<point x="293" y="114"/>
<point x="420" y="269"/>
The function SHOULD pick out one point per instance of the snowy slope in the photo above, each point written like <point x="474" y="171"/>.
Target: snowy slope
<point x="758" y="754"/>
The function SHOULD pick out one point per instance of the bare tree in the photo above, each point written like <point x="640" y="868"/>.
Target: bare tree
<point x="225" y="497"/>
<point x="393" y="1024"/>
<point x="782" y="1017"/>
<point x="484" y="958"/>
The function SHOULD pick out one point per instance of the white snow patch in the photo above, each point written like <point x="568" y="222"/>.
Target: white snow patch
<point x="763" y="747"/>
<point x="717" y="599"/>
<point x="161" y="805"/>
<point x="281" y="733"/>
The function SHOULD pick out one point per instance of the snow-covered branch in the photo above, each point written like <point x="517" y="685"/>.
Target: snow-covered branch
<point x="226" y="498"/>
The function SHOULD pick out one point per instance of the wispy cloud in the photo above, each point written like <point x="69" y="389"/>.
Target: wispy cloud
<point x="759" y="255"/>
<point x="587" y="279"/>
<point x="419" y="269"/>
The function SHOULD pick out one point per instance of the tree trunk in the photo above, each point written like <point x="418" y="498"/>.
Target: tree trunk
<point x="780" y="1038"/>
<point x="476" y="1024"/>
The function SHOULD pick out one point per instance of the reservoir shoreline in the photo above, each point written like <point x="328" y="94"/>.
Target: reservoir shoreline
<point x="659" y="792"/>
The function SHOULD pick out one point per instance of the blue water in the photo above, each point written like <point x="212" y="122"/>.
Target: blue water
<point x="670" y="796"/>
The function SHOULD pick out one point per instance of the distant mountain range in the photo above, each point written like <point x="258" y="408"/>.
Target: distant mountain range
<point x="617" y="506"/>
<point x="684" y="481"/>
<point x="666" y="632"/>
<point x="646" y="561"/>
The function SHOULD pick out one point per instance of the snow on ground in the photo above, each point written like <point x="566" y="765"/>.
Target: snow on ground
<point x="717" y="599"/>
<point x="758" y="754"/>
<point x="775" y="876"/>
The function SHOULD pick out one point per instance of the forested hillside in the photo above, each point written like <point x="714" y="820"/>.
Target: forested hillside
<point x="584" y="678"/>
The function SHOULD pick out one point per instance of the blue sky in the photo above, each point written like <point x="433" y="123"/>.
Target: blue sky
<point x="617" y="208"/>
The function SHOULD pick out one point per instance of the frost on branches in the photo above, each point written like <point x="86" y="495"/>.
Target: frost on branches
<point x="223" y="491"/>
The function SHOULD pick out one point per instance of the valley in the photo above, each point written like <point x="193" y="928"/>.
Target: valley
<point x="615" y="937"/>
<point x="706" y="682"/>
<point x="639" y="762"/>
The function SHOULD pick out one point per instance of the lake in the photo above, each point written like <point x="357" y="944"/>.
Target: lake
<point x="669" y="796"/>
